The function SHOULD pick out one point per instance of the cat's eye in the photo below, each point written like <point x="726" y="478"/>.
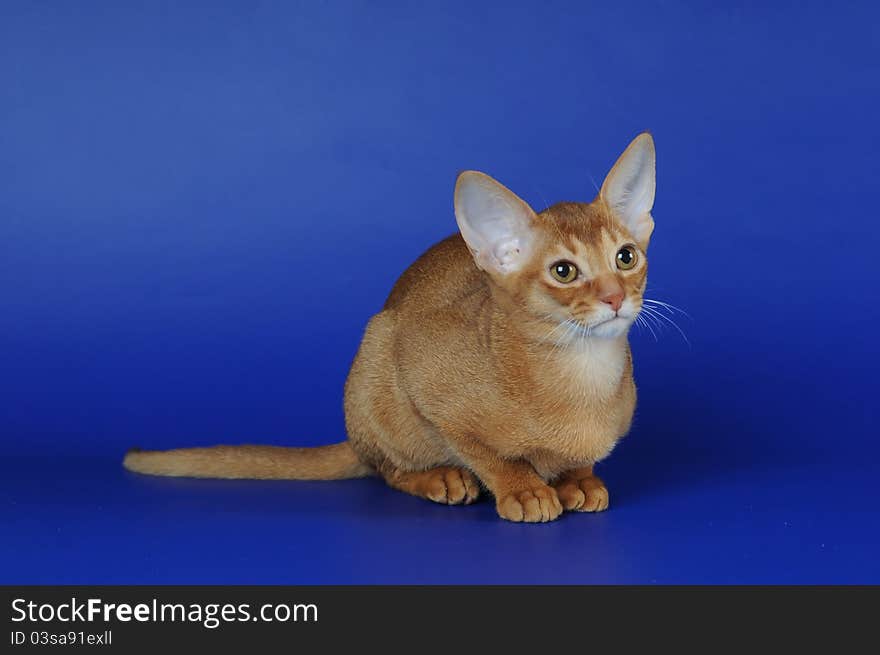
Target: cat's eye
<point x="626" y="258"/>
<point x="564" y="272"/>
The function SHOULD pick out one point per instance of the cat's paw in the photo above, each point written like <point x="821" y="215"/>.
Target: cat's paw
<point x="537" y="504"/>
<point x="451" y="486"/>
<point x="585" y="495"/>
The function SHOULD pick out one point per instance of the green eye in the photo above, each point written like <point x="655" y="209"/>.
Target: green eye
<point x="564" y="272"/>
<point x="626" y="258"/>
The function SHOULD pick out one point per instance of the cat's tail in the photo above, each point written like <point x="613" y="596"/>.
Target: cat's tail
<point x="334" y="462"/>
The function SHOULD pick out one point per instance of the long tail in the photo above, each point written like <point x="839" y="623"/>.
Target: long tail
<point x="334" y="462"/>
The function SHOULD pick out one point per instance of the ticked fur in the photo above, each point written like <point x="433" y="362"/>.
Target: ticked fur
<point x="488" y="366"/>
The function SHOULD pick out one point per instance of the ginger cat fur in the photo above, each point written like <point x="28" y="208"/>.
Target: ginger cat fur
<point x="500" y="360"/>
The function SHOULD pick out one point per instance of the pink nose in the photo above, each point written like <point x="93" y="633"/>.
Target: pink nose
<point x="613" y="298"/>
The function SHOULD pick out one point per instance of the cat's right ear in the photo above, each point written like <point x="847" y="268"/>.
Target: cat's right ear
<point x="497" y="225"/>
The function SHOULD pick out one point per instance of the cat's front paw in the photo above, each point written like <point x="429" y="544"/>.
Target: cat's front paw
<point x="586" y="494"/>
<point x="537" y="504"/>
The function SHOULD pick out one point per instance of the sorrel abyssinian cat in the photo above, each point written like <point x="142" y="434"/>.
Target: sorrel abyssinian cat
<point x="500" y="357"/>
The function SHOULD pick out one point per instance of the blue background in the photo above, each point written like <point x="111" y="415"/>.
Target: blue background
<point x="201" y="206"/>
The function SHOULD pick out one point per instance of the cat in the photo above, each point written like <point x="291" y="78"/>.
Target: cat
<point x="500" y="360"/>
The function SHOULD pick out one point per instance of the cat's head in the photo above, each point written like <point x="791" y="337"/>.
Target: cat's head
<point x="583" y="265"/>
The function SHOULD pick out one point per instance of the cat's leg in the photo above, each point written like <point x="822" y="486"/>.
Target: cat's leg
<point x="443" y="484"/>
<point x="388" y="433"/>
<point x="520" y="493"/>
<point x="581" y="491"/>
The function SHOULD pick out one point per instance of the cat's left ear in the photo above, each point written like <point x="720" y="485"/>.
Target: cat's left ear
<point x="497" y="225"/>
<point x="629" y="188"/>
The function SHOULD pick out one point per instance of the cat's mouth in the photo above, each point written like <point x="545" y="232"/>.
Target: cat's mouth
<point x="609" y="327"/>
<point x="609" y="320"/>
<point x="581" y="328"/>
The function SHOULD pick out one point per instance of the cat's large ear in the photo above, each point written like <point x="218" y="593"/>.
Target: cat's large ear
<point x="496" y="224"/>
<point x="629" y="188"/>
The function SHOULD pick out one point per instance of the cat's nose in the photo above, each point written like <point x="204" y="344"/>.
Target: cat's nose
<point x="611" y="293"/>
<point x="614" y="299"/>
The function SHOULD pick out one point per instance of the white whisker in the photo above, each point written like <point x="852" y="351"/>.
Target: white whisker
<point x="665" y="305"/>
<point x="657" y="315"/>
<point x="643" y="323"/>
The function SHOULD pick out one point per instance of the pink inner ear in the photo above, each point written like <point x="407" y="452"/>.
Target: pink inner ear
<point x="495" y="223"/>
<point x="629" y="187"/>
<point x="642" y="228"/>
<point x="507" y="253"/>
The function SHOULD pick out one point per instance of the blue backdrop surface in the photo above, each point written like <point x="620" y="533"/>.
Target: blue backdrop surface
<point x="202" y="205"/>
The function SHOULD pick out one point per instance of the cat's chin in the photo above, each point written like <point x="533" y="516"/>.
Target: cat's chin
<point x="610" y="328"/>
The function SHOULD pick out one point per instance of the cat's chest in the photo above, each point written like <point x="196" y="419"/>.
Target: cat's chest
<point x="580" y="418"/>
<point x="585" y="374"/>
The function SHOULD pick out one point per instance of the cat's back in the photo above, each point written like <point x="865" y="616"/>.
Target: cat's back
<point x="442" y="276"/>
